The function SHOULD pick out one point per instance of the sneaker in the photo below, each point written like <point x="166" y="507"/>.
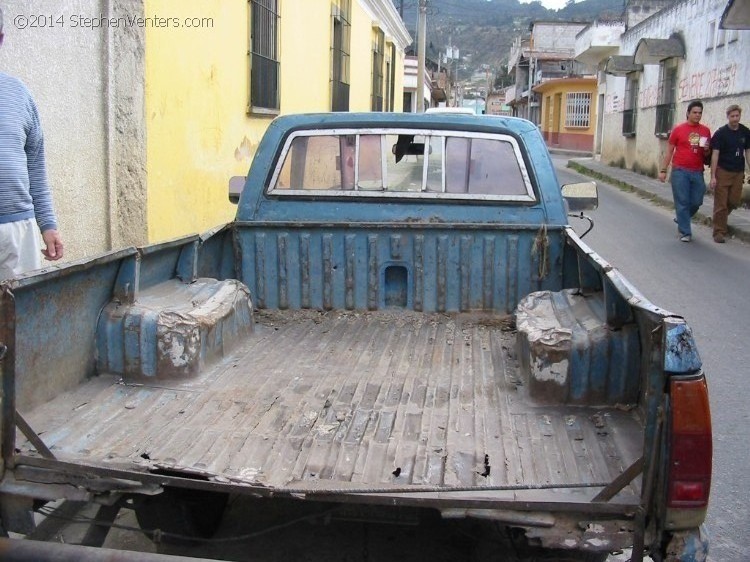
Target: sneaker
<point x="719" y="238"/>
<point x="685" y="238"/>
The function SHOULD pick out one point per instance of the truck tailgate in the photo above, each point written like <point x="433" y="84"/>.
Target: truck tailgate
<point x="337" y="400"/>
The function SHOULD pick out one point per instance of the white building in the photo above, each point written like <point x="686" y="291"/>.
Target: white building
<point x="664" y="61"/>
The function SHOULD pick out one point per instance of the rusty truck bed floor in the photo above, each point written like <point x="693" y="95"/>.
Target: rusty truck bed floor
<point x="347" y="398"/>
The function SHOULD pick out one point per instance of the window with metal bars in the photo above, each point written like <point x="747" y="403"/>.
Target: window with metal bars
<point x="667" y="93"/>
<point x="630" y="113"/>
<point x="264" y="51"/>
<point x="340" y="56"/>
<point x="378" y="51"/>
<point x="577" y="109"/>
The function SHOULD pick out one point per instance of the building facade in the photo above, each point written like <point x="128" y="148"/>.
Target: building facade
<point x="547" y="53"/>
<point x="496" y="103"/>
<point x="568" y="113"/>
<point x="664" y="61"/>
<point x="150" y="106"/>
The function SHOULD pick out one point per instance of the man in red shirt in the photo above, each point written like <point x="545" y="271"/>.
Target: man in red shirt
<point x="687" y="149"/>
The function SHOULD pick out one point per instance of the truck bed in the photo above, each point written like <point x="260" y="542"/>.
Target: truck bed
<point x="349" y="399"/>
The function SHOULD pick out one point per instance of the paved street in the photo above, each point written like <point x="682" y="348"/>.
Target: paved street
<point x="706" y="282"/>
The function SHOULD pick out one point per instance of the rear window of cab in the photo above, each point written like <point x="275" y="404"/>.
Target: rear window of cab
<point x="402" y="164"/>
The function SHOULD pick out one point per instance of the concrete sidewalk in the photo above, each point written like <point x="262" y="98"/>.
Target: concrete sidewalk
<point x="659" y="193"/>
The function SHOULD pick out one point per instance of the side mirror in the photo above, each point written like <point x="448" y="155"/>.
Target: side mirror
<point x="581" y="196"/>
<point x="236" y="185"/>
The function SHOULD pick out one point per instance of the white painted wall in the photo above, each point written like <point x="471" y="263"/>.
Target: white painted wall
<point x="64" y="69"/>
<point x="88" y="86"/>
<point x="555" y="37"/>
<point x="718" y="75"/>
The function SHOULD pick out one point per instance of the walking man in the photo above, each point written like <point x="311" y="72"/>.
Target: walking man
<point x="25" y="197"/>
<point x="687" y="148"/>
<point x="730" y="151"/>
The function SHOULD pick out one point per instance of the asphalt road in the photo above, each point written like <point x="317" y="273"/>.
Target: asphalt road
<point x="707" y="283"/>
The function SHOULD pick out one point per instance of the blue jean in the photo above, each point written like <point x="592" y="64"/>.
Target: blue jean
<point x="688" y="189"/>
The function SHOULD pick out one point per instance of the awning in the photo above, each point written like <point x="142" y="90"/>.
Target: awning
<point x="736" y="15"/>
<point x="619" y="65"/>
<point x="653" y="51"/>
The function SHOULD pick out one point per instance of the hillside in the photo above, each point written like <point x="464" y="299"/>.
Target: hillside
<point x="484" y="30"/>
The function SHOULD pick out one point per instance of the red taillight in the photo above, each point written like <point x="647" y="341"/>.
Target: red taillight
<point x="690" y="444"/>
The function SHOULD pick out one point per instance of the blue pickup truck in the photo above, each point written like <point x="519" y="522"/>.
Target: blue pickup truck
<point x="400" y="317"/>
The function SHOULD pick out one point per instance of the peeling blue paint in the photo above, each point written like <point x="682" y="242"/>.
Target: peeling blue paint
<point x="680" y="350"/>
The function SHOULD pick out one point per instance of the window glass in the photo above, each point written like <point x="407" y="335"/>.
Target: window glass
<point x="315" y="163"/>
<point x="264" y="69"/>
<point x="435" y="164"/>
<point x="578" y="109"/>
<point x="482" y="167"/>
<point x="457" y="157"/>
<point x="370" y="162"/>
<point x="494" y="169"/>
<point x="406" y="173"/>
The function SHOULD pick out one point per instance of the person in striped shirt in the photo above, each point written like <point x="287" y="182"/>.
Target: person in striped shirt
<point x="25" y="197"/>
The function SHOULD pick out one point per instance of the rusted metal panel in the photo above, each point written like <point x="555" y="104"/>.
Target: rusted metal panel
<point x="216" y="255"/>
<point x="174" y="329"/>
<point x="55" y="329"/>
<point x="569" y="353"/>
<point x="442" y="268"/>
<point x="8" y="374"/>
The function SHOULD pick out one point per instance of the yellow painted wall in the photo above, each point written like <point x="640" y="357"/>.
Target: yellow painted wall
<point x="399" y="91"/>
<point x="361" y="60"/>
<point x="562" y="87"/>
<point x="199" y="133"/>
<point x="305" y="37"/>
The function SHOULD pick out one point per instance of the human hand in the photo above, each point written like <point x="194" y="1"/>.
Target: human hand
<point x="712" y="184"/>
<point x="662" y="177"/>
<point x="53" y="241"/>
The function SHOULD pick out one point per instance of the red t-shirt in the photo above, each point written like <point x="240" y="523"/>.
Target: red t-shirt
<point x="688" y="154"/>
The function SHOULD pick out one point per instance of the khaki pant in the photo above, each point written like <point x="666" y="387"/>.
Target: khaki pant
<point x="20" y="248"/>
<point x="727" y="197"/>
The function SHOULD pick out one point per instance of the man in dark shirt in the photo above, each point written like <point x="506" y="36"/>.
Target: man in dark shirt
<point x="730" y="152"/>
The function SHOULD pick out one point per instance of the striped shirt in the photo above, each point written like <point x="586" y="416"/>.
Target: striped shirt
<point x="24" y="189"/>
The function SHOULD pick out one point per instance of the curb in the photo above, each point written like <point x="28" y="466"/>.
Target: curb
<point x="571" y="153"/>
<point x="699" y="218"/>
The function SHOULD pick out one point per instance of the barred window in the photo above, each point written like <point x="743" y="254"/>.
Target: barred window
<point x="340" y="55"/>
<point x="264" y="59"/>
<point x="667" y="94"/>
<point x="378" y="52"/>
<point x="629" y="115"/>
<point x="577" y="109"/>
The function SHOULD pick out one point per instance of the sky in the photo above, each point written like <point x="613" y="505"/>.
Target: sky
<point x="549" y="4"/>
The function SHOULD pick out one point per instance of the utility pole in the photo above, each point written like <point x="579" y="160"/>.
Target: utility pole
<point x="421" y="47"/>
